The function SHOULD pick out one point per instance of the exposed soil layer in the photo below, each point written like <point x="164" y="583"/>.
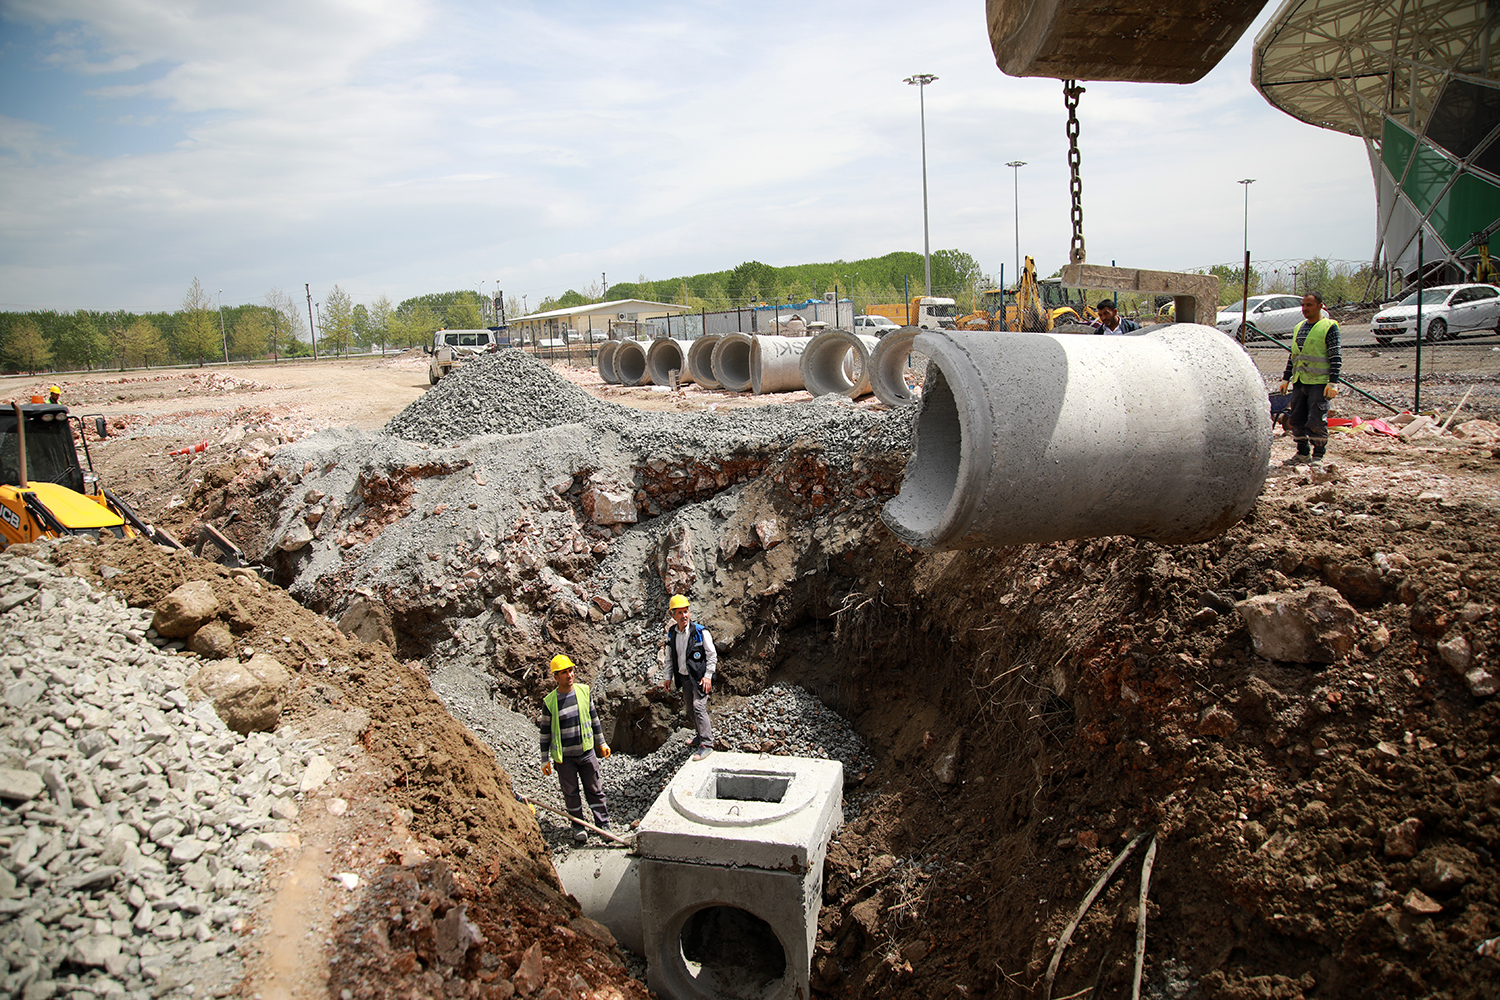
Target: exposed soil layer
<point x="1320" y="830"/>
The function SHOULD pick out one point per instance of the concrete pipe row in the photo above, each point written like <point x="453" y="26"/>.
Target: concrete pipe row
<point x="1039" y="437"/>
<point x="887" y="369"/>
<point x="607" y="362"/>
<point x="664" y="357"/>
<point x="838" y="362"/>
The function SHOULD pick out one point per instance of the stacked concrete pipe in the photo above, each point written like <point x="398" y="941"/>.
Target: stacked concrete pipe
<point x="700" y="360"/>
<point x="887" y="368"/>
<point x="732" y="361"/>
<point x="630" y="363"/>
<point x="1039" y="437"/>
<point x="776" y="363"/>
<point x="607" y="361"/>
<point x="838" y="361"/>
<point x="664" y="356"/>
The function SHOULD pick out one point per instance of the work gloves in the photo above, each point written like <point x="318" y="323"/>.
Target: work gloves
<point x="1330" y="390"/>
<point x="603" y="751"/>
<point x="547" y="768"/>
<point x="1281" y="389"/>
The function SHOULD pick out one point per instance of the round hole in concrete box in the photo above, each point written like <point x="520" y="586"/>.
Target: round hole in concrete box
<point x="732" y="954"/>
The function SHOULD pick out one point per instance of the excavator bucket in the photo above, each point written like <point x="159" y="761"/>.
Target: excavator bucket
<point x="1141" y="41"/>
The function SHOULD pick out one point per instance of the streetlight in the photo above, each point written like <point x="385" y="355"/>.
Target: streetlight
<point x="920" y="81"/>
<point x="223" y="336"/>
<point x="318" y="309"/>
<point x="1247" y="182"/>
<point x="1015" y="173"/>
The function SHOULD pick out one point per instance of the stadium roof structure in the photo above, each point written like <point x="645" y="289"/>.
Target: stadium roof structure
<point x="1416" y="80"/>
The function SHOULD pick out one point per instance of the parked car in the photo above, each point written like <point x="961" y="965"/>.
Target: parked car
<point x="1277" y="314"/>
<point x="876" y="325"/>
<point x="1447" y="310"/>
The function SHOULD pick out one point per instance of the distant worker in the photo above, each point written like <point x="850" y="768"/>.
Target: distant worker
<point x="54" y="395"/>
<point x="1110" y="323"/>
<point x="1311" y="372"/>
<point x="691" y="662"/>
<point x="569" y="734"/>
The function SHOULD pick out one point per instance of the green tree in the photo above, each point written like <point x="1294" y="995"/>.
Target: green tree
<point x="287" y="324"/>
<point x="739" y="283"/>
<point x="338" y="321"/>
<point x="80" y="342"/>
<point x="362" y="336"/>
<point x="26" y="349"/>
<point x="197" y="332"/>
<point x="463" y="313"/>
<point x="380" y="321"/>
<point x="141" y="344"/>
<point x="253" y="335"/>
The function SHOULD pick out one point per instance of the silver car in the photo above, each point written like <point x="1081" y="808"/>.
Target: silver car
<point x="1447" y="310"/>
<point x="874" y="324"/>
<point x="1277" y="314"/>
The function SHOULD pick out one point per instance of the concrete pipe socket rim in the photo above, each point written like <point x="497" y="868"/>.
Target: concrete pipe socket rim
<point x="887" y="368"/>
<point x="607" y="351"/>
<point x="718" y="950"/>
<point x="1040" y="437"/>
<point x="744" y="797"/>
<point x="666" y="356"/>
<point x="630" y="364"/>
<point x="701" y="360"/>
<point x="837" y="361"/>
<point x="732" y="362"/>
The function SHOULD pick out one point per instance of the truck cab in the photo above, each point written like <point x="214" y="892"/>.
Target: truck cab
<point x="454" y="347"/>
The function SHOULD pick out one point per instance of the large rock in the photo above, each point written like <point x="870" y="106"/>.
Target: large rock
<point x="249" y="696"/>
<point x="185" y="610"/>
<point x="606" y="507"/>
<point x="212" y="642"/>
<point x="1305" y="626"/>
<point x="369" y="622"/>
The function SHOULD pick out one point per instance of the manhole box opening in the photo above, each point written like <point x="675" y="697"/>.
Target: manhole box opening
<point x="732" y="954"/>
<point x="741" y="787"/>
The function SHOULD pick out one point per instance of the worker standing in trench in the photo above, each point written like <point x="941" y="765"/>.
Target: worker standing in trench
<point x="569" y="734"/>
<point x="691" y="663"/>
<point x="1312" y="371"/>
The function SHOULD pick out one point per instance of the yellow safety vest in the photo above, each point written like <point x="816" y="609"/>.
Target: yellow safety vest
<point x="585" y="724"/>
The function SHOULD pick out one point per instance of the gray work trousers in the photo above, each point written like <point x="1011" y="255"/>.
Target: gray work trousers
<point x="586" y="770"/>
<point x="1308" y="418"/>
<point x="695" y="704"/>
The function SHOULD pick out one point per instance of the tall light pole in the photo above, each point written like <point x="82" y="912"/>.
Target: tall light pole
<point x="920" y="81"/>
<point x="1015" y="173"/>
<point x="222" y="335"/>
<point x="1247" y="182"/>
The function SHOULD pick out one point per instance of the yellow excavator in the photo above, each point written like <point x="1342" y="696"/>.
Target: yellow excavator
<point x="1033" y="306"/>
<point x="45" y="489"/>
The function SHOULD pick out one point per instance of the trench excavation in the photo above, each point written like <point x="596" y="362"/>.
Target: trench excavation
<point x="1014" y="716"/>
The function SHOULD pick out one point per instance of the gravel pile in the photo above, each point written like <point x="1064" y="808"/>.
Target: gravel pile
<point x="133" y="823"/>
<point x="799" y="724"/>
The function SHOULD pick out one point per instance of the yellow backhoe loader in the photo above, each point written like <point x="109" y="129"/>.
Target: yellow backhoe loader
<point x="1034" y="306"/>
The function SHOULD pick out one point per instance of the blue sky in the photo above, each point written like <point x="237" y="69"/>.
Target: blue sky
<point x="399" y="148"/>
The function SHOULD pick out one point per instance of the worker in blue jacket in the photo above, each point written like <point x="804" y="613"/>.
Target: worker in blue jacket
<point x="691" y="662"/>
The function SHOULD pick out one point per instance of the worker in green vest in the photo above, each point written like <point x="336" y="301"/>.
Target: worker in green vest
<point x="570" y="732"/>
<point x="1312" y="373"/>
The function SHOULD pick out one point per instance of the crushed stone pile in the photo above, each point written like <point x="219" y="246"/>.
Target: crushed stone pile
<point x="133" y="823"/>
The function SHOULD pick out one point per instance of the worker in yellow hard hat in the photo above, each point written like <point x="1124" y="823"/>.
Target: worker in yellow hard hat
<point x="570" y="732"/>
<point x="54" y="394"/>
<point x="1312" y="374"/>
<point x="691" y="664"/>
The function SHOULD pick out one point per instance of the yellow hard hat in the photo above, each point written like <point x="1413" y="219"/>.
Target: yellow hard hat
<point x="677" y="601"/>
<point x="54" y="389"/>
<point x="561" y="662"/>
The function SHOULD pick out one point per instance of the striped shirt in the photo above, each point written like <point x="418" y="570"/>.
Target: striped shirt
<point x="568" y="728"/>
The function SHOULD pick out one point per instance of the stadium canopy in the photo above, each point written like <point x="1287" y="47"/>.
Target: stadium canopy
<point x="1416" y="81"/>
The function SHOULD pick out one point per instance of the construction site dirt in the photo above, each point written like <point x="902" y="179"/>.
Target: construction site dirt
<point x="1318" y="829"/>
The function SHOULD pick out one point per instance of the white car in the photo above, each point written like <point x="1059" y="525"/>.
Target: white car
<point x="1446" y="311"/>
<point x="874" y="324"/>
<point x="1276" y="314"/>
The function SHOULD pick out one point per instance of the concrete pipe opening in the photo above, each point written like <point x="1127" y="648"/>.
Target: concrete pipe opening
<point x="776" y="363"/>
<point x="888" y="368"/>
<point x="701" y="360"/>
<point x="730" y="953"/>
<point x="607" y="361"/>
<point x="630" y="363"/>
<point x="838" y="361"/>
<point x="732" y="362"/>
<point x="663" y="356"/>
<point x="1038" y="437"/>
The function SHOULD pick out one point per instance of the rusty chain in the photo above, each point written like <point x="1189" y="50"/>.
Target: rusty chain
<point x="1071" y="92"/>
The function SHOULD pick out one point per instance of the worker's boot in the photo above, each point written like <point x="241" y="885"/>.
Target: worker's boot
<point x="1302" y="457"/>
<point x="1317" y="456"/>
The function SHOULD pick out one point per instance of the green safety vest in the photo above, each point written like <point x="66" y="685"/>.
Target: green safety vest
<point x="585" y="724"/>
<point x="1310" y="361"/>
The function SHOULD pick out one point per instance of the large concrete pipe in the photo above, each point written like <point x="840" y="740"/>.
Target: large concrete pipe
<point x="663" y="356"/>
<point x="700" y="360"/>
<point x="630" y="363"/>
<point x="838" y="361"/>
<point x="775" y="363"/>
<point x="732" y="361"/>
<point x="607" y="361"/>
<point x="1038" y="437"/>
<point x="607" y="884"/>
<point x="887" y="368"/>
